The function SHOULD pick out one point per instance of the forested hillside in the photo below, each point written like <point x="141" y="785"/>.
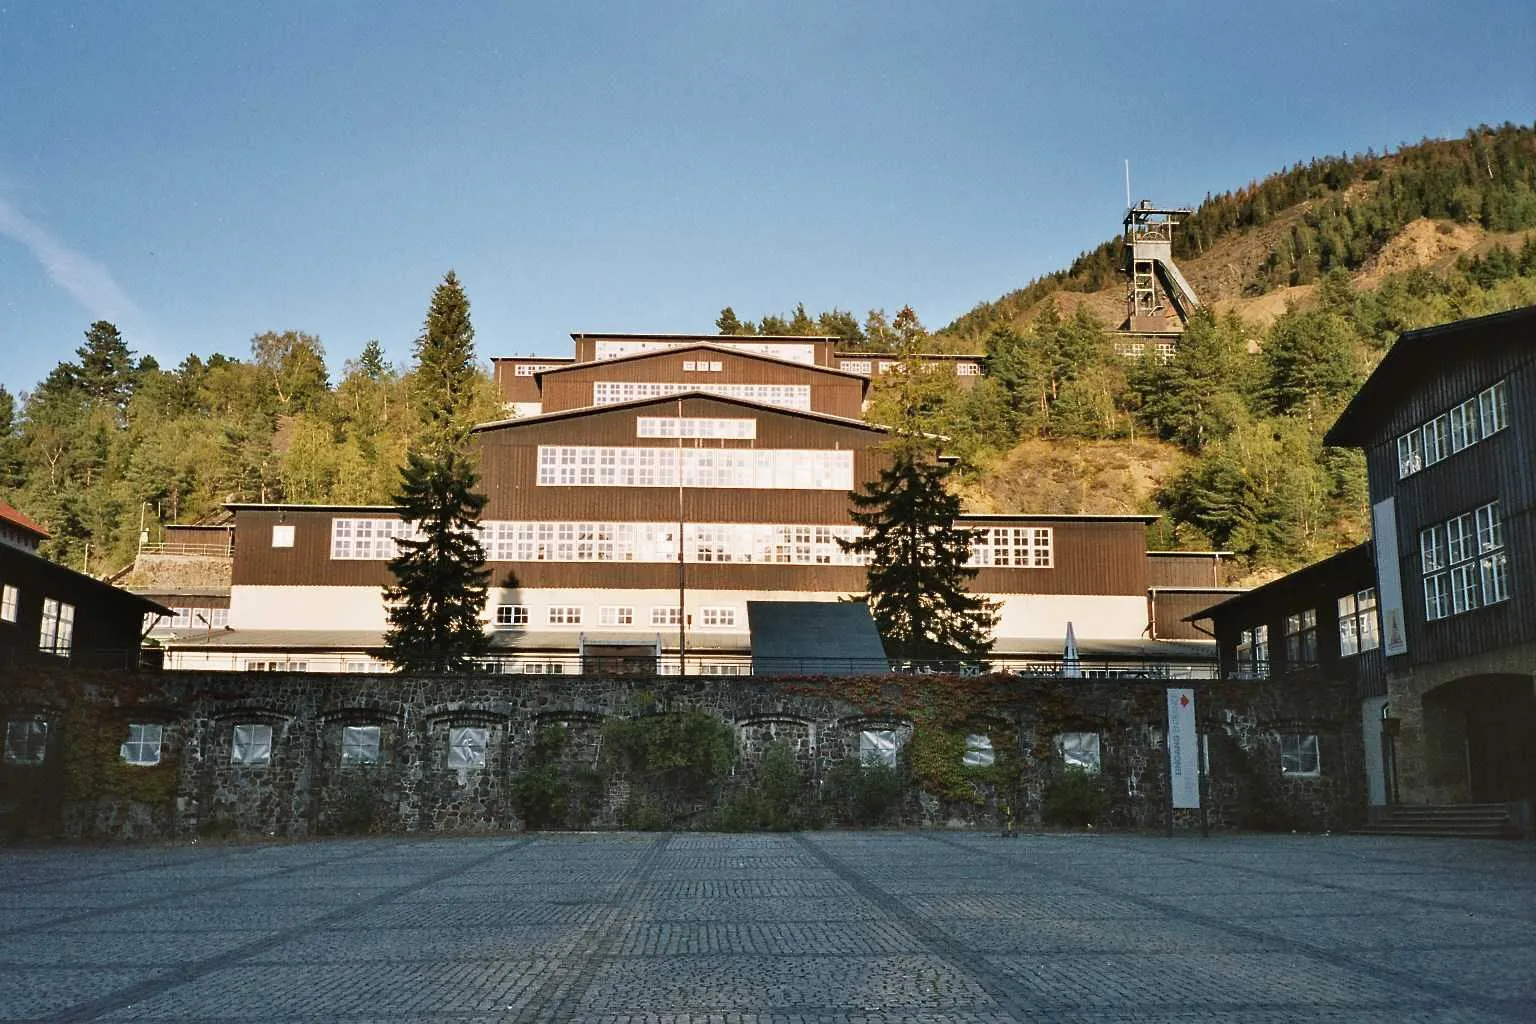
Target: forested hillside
<point x="1308" y="275"/>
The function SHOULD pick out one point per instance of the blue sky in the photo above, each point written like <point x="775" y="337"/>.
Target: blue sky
<point x="201" y="173"/>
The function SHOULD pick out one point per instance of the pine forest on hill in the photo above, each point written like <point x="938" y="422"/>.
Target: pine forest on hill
<point x="1308" y="277"/>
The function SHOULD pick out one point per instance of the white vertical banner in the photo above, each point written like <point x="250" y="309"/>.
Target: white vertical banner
<point x="1389" y="583"/>
<point x="1183" y="750"/>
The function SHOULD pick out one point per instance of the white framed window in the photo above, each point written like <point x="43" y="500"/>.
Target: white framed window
<point x="689" y="365"/>
<point x="717" y="617"/>
<point x="1019" y="547"/>
<point x="967" y="370"/>
<point x="1359" y="630"/>
<point x="529" y="369"/>
<point x="26" y="741"/>
<point x="57" y="634"/>
<point x="740" y="427"/>
<point x="978" y="752"/>
<point x="142" y="747"/>
<point x="877" y="747"/>
<point x="615" y="615"/>
<point x="360" y="744"/>
<point x="1464" y="563"/>
<point x="1410" y="454"/>
<point x="369" y="539"/>
<point x="251" y="745"/>
<point x="282" y="535"/>
<point x="467" y="745"/>
<point x="666" y="616"/>
<point x="1464" y="429"/>
<point x="509" y="615"/>
<point x="564" y="615"/>
<point x="863" y="366"/>
<point x="8" y="600"/>
<point x="541" y="668"/>
<point x="1493" y="409"/>
<point x="1298" y="756"/>
<point x="1253" y="653"/>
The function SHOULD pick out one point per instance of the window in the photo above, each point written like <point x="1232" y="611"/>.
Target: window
<point x="142" y="747"/>
<point x="508" y="615"/>
<point x="723" y="668"/>
<point x="863" y="366"/>
<point x="564" y="615"/>
<point x="1301" y="639"/>
<point x="967" y="370"/>
<point x="529" y="369"/>
<point x="718" y="616"/>
<point x="978" y="752"/>
<point x="1464" y="425"/>
<point x="26" y="741"/>
<point x="755" y="468"/>
<point x="784" y="396"/>
<point x="1298" y="755"/>
<point x="541" y="668"/>
<point x="615" y="616"/>
<point x="8" y="596"/>
<point x="696" y="426"/>
<point x="467" y="746"/>
<point x="1358" y="629"/>
<point x="360" y="744"/>
<point x="58" y="629"/>
<point x="251" y="745"/>
<point x="877" y="747"/>
<point x="1253" y="653"/>
<point x="1464" y="563"/>
<point x="1079" y="750"/>
<point x="1023" y="547"/>
<point x="282" y="535"/>
<point x="666" y="617"/>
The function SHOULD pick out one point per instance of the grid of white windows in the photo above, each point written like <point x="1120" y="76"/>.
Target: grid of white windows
<point x="695" y="426"/>
<point x="702" y="366"/>
<point x="529" y="369"/>
<point x="717" y="617"/>
<point x="1466" y="424"/>
<point x="615" y="615"/>
<point x="58" y="627"/>
<point x="369" y="539"/>
<point x="784" y="396"/>
<point x="666" y="616"/>
<point x="1464" y="563"/>
<point x="967" y="370"/>
<point x="564" y="615"/>
<point x="751" y="468"/>
<point x="1027" y="547"/>
<point x="8" y="598"/>
<point x="864" y="366"/>
<point x="189" y="618"/>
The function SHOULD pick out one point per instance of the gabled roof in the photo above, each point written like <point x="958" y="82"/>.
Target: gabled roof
<point x="41" y="564"/>
<point x="705" y="346"/>
<point x="1418" y="354"/>
<point x="1045" y="517"/>
<point x="640" y="403"/>
<point x="9" y="514"/>
<point x="1318" y="581"/>
<point x="742" y="338"/>
<point x="256" y="506"/>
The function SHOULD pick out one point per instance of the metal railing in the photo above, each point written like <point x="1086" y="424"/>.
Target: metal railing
<point x="198" y="550"/>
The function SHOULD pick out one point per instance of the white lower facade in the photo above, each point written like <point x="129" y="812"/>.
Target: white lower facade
<point x="577" y="610"/>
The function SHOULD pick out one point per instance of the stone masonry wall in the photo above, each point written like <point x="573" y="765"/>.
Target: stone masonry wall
<point x="83" y="790"/>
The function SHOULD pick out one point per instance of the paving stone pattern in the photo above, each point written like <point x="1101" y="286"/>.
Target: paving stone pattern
<point x="823" y="927"/>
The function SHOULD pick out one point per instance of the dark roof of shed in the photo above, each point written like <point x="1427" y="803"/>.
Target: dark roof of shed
<point x="707" y="346"/>
<point x="1318" y="579"/>
<point x="640" y="403"/>
<point x="837" y="631"/>
<point x="1417" y="354"/>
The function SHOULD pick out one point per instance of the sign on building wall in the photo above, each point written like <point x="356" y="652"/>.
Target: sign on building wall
<point x="1389" y="582"/>
<point x="1183" y="750"/>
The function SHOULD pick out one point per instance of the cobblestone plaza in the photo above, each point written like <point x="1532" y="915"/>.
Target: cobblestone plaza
<point x="824" y="927"/>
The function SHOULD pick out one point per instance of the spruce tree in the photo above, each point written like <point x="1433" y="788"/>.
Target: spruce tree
<point x="445" y="376"/>
<point x="918" y="569"/>
<point x="440" y="588"/>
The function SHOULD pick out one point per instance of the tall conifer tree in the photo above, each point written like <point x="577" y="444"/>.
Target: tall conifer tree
<point x="918" y="570"/>
<point x="441" y="578"/>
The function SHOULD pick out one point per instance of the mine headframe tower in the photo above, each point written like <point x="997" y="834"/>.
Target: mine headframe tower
<point x="1156" y="282"/>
